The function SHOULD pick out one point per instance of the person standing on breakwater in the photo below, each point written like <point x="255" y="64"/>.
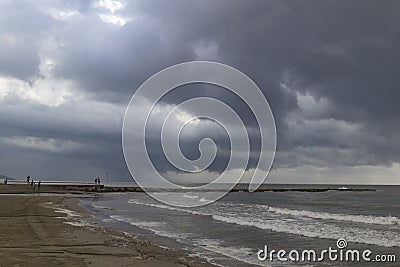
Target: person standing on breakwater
<point x="97" y="183"/>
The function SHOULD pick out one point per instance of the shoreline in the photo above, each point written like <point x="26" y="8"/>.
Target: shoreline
<point x="23" y="188"/>
<point x="48" y="230"/>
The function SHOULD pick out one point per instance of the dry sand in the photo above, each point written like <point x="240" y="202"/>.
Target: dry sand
<point x="36" y="231"/>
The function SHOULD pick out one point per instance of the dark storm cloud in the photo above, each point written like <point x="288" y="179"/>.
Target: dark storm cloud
<point x="113" y="61"/>
<point x="345" y="53"/>
<point x="19" y="52"/>
<point x="329" y="70"/>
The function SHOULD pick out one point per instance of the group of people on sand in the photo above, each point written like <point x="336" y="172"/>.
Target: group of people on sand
<point x="32" y="183"/>
<point x="97" y="181"/>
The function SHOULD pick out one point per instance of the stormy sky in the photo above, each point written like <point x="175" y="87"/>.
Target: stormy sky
<point x="329" y="70"/>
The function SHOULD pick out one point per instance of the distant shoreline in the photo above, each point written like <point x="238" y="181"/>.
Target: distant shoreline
<point x="82" y="188"/>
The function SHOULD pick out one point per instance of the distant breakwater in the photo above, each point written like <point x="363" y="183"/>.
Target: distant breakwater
<point x="92" y="188"/>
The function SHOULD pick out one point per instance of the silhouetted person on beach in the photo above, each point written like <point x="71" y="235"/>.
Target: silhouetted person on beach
<point x="38" y="185"/>
<point x="97" y="182"/>
<point x="27" y="179"/>
<point x="5" y="181"/>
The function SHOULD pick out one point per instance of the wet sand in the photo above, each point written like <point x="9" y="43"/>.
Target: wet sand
<point x="46" y="231"/>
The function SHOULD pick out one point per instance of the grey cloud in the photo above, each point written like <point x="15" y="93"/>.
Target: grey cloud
<point x="344" y="56"/>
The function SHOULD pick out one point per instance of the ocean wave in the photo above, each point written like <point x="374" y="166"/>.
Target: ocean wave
<point x="243" y="254"/>
<point x="260" y="217"/>
<point x="132" y="221"/>
<point x="162" y="206"/>
<point x="190" y="196"/>
<point x="101" y="207"/>
<point x="79" y="224"/>
<point x="390" y="220"/>
<point x="157" y="228"/>
<point x="318" y="230"/>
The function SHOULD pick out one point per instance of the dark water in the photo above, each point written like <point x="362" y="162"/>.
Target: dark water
<point x="232" y="230"/>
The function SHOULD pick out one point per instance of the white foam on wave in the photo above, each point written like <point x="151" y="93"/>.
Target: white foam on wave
<point x="190" y="196"/>
<point x="368" y="219"/>
<point x="243" y="254"/>
<point x="101" y="207"/>
<point x="73" y="218"/>
<point x="136" y="223"/>
<point x="157" y="228"/>
<point x="58" y="209"/>
<point x="191" y="199"/>
<point x="162" y="206"/>
<point x="390" y="220"/>
<point x="318" y="230"/>
<point x="207" y="258"/>
<point x="79" y="224"/>
<point x="265" y="218"/>
<point x="69" y="213"/>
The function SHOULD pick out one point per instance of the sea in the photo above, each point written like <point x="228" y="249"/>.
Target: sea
<point x="238" y="229"/>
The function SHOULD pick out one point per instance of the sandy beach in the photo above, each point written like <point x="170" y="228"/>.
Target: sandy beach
<point x="44" y="231"/>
